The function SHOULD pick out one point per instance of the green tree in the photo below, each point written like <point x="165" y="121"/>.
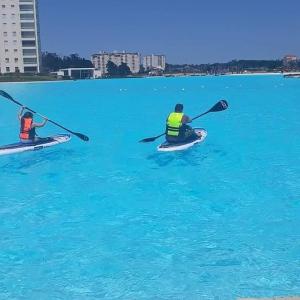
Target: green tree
<point x="142" y="69"/>
<point x="112" y="69"/>
<point x="124" y="70"/>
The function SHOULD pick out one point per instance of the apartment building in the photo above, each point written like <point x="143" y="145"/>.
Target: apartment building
<point x="132" y="60"/>
<point x="19" y="36"/>
<point x="153" y="61"/>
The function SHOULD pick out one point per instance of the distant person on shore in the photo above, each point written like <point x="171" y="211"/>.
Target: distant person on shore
<point x="27" y="128"/>
<point x="177" y="130"/>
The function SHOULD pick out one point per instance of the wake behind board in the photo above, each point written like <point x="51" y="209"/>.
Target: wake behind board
<point x="167" y="147"/>
<point x="37" y="145"/>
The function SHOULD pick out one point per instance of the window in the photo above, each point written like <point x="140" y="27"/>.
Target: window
<point x="4" y="33"/>
<point x="7" y="69"/>
<point x="29" y="52"/>
<point x="15" y="50"/>
<point x="16" y="60"/>
<point x="14" y="33"/>
<point x="13" y="16"/>
<point x="28" y="43"/>
<point x="6" y="50"/>
<point x="26" y="7"/>
<point x="17" y="70"/>
<point x="29" y="60"/>
<point x="26" y="16"/>
<point x="3" y="6"/>
<point x="30" y="69"/>
<point x="3" y="16"/>
<point x="12" y="6"/>
<point x="27" y="34"/>
<point x="27" y="25"/>
<point x="7" y="60"/>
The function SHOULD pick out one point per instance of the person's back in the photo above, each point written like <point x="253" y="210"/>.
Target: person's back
<point x="27" y="126"/>
<point x="177" y="130"/>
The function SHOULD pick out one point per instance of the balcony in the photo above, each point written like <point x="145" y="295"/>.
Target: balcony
<point x="27" y="34"/>
<point x="28" y="26"/>
<point x="27" y="17"/>
<point x="26" y="8"/>
<point x="29" y="44"/>
<point x="29" y="52"/>
<point x="30" y="60"/>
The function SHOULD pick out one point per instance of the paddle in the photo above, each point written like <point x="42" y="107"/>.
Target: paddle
<point x="80" y="135"/>
<point x="221" y="105"/>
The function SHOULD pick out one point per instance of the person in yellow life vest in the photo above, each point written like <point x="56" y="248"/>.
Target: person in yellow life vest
<point x="27" y="128"/>
<point x="177" y="130"/>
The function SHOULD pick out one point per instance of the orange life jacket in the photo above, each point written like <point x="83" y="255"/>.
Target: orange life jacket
<point x="26" y="132"/>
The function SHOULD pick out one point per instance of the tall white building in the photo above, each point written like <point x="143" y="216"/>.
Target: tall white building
<point x="132" y="60"/>
<point x="154" y="62"/>
<point x="19" y="36"/>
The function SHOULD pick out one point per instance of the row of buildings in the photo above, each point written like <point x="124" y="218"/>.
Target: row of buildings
<point x="132" y="60"/>
<point x="151" y="64"/>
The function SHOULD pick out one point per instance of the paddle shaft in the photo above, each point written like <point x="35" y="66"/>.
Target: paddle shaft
<point x="53" y="122"/>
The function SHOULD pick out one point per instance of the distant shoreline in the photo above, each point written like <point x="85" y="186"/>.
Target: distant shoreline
<point x="162" y="76"/>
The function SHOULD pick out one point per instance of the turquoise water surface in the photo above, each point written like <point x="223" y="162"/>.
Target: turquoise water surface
<point x="115" y="219"/>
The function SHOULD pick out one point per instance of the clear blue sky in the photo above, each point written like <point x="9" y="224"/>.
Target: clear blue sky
<point x="187" y="31"/>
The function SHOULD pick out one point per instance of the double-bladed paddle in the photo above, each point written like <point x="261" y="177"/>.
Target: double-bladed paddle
<point x="221" y="105"/>
<point x="78" y="134"/>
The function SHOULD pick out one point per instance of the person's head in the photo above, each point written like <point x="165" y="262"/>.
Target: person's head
<point x="178" y="108"/>
<point x="28" y="114"/>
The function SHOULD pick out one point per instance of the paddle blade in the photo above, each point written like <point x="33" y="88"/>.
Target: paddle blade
<point x="82" y="136"/>
<point x="221" y="105"/>
<point x="148" y="140"/>
<point x="5" y="95"/>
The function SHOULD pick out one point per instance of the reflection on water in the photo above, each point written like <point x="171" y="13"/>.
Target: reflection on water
<point x="190" y="157"/>
<point x="23" y="162"/>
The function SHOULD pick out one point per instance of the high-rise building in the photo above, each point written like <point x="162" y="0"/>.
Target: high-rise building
<point x="132" y="60"/>
<point x="19" y="36"/>
<point x="154" y="62"/>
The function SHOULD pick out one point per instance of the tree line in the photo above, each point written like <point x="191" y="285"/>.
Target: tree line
<point x="234" y="66"/>
<point x="52" y="62"/>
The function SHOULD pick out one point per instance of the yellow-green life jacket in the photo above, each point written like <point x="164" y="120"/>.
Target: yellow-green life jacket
<point x="174" y="123"/>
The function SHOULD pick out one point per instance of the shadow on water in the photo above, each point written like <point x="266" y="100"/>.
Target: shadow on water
<point x="191" y="157"/>
<point x="23" y="162"/>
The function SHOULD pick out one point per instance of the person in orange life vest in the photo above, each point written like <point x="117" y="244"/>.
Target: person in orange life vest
<point x="27" y="129"/>
<point x="177" y="130"/>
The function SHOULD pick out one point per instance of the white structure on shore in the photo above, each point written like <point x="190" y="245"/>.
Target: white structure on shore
<point x="19" y="36"/>
<point x="132" y="60"/>
<point x="290" y="59"/>
<point x="153" y="61"/>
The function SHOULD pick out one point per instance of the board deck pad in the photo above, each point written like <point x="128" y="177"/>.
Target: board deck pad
<point x="168" y="147"/>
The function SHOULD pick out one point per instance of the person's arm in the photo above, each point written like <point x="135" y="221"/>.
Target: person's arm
<point x="21" y="113"/>
<point x="42" y="124"/>
<point x="186" y="119"/>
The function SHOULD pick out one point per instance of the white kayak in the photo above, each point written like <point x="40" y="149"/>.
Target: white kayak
<point x="37" y="145"/>
<point x="167" y="147"/>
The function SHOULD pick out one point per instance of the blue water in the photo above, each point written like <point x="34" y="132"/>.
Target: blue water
<point x="114" y="219"/>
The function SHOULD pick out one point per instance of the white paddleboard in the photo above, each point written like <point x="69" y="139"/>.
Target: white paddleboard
<point x="37" y="145"/>
<point x="167" y="147"/>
